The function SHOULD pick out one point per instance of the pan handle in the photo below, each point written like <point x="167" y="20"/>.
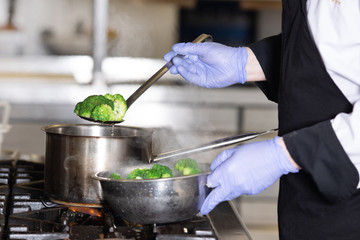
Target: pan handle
<point x="223" y="142"/>
<point x="202" y="38"/>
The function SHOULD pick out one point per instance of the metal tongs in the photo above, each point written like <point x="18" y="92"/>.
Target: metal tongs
<point x="202" y="38"/>
<point x="219" y="143"/>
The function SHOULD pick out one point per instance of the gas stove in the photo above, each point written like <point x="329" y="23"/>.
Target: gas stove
<point x="26" y="213"/>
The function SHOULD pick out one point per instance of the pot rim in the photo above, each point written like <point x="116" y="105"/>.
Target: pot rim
<point x="50" y="129"/>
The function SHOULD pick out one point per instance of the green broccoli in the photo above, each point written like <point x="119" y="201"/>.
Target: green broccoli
<point x="110" y="97"/>
<point x="162" y="171"/>
<point x="103" y="113"/>
<point x="187" y="166"/>
<point x="151" y="174"/>
<point x="102" y="108"/>
<point x="157" y="171"/>
<point x="138" y="173"/>
<point x="86" y="107"/>
<point x="120" y="107"/>
<point x="115" y="176"/>
<point x="77" y="108"/>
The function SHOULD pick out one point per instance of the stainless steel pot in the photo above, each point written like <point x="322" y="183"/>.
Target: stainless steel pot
<point x="74" y="153"/>
<point x="157" y="200"/>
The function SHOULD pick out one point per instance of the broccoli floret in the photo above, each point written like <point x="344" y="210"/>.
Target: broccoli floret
<point x="115" y="176"/>
<point x="187" y="166"/>
<point x="86" y="107"/>
<point x="191" y="171"/>
<point x="157" y="171"/>
<point x="137" y="174"/>
<point x="162" y="171"/>
<point x="110" y="97"/>
<point x="120" y="107"/>
<point x="77" y="108"/>
<point x="103" y="113"/>
<point x="102" y="108"/>
<point x="151" y="174"/>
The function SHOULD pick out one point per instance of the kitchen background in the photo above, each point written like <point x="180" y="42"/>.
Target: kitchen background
<point x="46" y="67"/>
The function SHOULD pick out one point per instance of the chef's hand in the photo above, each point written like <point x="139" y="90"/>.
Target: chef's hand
<point x="246" y="169"/>
<point x="209" y="64"/>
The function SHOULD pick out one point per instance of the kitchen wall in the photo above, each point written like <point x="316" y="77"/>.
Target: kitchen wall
<point x="136" y="28"/>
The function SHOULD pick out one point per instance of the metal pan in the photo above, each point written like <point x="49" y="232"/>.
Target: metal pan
<point x="155" y="200"/>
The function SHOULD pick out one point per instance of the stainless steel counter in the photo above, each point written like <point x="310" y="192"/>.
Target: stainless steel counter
<point x="227" y="223"/>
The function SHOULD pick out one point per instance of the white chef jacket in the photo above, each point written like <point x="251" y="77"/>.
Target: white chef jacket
<point x="335" y="27"/>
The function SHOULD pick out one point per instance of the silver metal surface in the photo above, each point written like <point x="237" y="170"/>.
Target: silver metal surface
<point x="100" y="22"/>
<point x="209" y="146"/>
<point x="103" y="122"/>
<point x="156" y="200"/>
<point x="76" y="152"/>
<point x="227" y="223"/>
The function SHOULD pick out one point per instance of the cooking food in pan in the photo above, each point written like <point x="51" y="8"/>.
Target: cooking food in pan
<point x="185" y="166"/>
<point x="114" y="175"/>
<point x="149" y="201"/>
<point x="157" y="171"/>
<point x="102" y="108"/>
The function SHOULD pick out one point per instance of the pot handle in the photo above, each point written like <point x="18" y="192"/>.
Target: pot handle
<point x="223" y="142"/>
<point x="202" y="38"/>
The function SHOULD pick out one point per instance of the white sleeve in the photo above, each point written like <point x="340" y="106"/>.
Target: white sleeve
<point x="334" y="28"/>
<point x="347" y="130"/>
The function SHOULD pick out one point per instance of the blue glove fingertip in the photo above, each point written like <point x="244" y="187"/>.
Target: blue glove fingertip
<point x="173" y="70"/>
<point x="205" y="208"/>
<point x="169" y="56"/>
<point x="177" y="61"/>
<point x="214" y="198"/>
<point x="212" y="180"/>
<point x="183" y="72"/>
<point x="178" y="46"/>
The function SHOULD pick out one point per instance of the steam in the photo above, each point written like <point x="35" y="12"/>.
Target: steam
<point x="193" y="124"/>
<point x="142" y="29"/>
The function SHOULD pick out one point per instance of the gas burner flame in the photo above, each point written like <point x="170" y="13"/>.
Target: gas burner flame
<point x="85" y="210"/>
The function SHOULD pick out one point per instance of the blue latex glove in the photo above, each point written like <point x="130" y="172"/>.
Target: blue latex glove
<point x="209" y="64"/>
<point x="247" y="169"/>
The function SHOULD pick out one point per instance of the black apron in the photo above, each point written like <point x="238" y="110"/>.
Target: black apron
<point x="321" y="201"/>
<point x="307" y="96"/>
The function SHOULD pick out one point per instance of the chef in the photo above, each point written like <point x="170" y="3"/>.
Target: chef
<point x="312" y="70"/>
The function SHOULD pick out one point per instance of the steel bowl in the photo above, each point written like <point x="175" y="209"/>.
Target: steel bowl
<point x="155" y="200"/>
